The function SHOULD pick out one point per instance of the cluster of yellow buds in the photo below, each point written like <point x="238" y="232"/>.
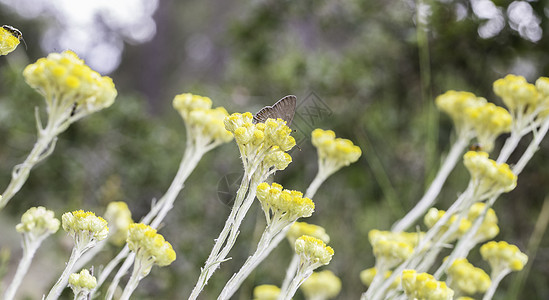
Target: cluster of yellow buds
<point x="82" y="284"/>
<point x="282" y="206"/>
<point x="204" y="123"/>
<point x="466" y="278"/>
<point x="261" y="145"/>
<point x="489" y="121"/>
<point x="302" y="228"/>
<point x="424" y="286"/>
<point x="487" y="230"/>
<point x="503" y="257"/>
<point x="37" y="222"/>
<point x="367" y="276"/>
<point x="266" y="292"/>
<point x="321" y="285"/>
<point x="70" y="87"/>
<point x="119" y="217"/>
<point x="334" y="153"/>
<point x="313" y="252"/>
<point x="456" y="104"/>
<point x="85" y="228"/>
<point x="517" y="94"/>
<point x="8" y="41"/>
<point x="149" y="247"/>
<point x="488" y="176"/>
<point x="489" y="227"/>
<point x="392" y="248"/>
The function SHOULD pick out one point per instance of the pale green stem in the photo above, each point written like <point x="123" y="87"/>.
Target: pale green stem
<point x="121" y="272"/>
<point x="110" y="267"/>
<point x="434" y="189"/>
<point x="320" y="177"/>
<point x="133" y="281"/>
<point x="301" y="275"/>
<point x="290" y="273"/>
<point x="251" y="263"/>
<point x="29" y="249"/>
<point x="378" y="278"/>
<point x="56" y="290"/>
<point x="532" y="148"/>
<point x="214" y="259"/>
<point x="509" y="146"/>
<point x="495" y="283"/>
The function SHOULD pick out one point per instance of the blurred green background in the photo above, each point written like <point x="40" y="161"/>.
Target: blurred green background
<point x="370" y="66"/>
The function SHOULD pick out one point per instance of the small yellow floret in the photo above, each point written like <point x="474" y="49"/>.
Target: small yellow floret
<point x="149" y="246"/>
<point x="282" y="205"/>
<point x="393" y="247"/>
<point x="321" y="285"/>
<point x="489" y="175"/>
<point x="503" y="256"/>
<point x="85" y="224"/>
<point x="119" y="217"/>
<point x="37" y="221"/>
<point x="83" y="280"/>
<point x="334" y="153"/>
<point x="367" y="276"/>
<point x="266" y="292"/>
<point x="467" y="278"/>
<point x="424" y="286"/>
<point x="313" y="251"/>
<point x="301" y="228"/>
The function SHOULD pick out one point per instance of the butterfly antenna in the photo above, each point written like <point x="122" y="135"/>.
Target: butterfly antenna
<point x="25" y="43"/>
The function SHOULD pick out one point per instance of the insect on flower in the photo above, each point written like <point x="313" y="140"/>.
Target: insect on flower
<point x="283" y="108"/>
<point x="15" y="32"/>
<point x="475" y="147"/>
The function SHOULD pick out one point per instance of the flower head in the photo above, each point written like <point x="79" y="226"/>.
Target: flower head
<point x="434" y="215"/>
<point x="503" y="257"/>
<point x="467" y="278"/>
<point x="266" y="292"/>
<point x="313" y="252"/>
<point x="261" y="145"/>
<point x="367" y="276"/>
<point x="516" y="93"/>
<point x="8" y="41"/>
<point x="38" y="221"/>
<point x="150" y="247"/>
<point x="204" y="123"/>
<point x="85" y="228"/>
<point x="456" y="104"/>
<point x="334" y="153"/>
<point x="82" y="283"/>
<point x="70" y="87"/>
<point x="488" y="122"/>
<point x="282" y="206"/>
<point x="301" y="228"/>
<point x="391" y="248"/>
<point x="119" y="217"/>
<point x="424" y="286"/>
<point x="489" y="177"/>
<point x="489" y="227"/>
<point x="321" y="285"/>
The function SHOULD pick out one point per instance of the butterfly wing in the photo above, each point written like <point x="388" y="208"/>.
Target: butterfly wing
<point x="283" y="108"/>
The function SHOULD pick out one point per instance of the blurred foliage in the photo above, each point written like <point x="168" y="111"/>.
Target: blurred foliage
<point x="359" y="57"/>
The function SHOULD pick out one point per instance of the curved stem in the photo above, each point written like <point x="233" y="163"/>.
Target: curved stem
<point x="56" y="290"/>
<point x="290" y="273"/>
<point x="434" y="189"/>
<point x="29" y="249"/>
<point x="133" y="281"/>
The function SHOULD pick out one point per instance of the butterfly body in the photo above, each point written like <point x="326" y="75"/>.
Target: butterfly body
<point x="283" y="109"/>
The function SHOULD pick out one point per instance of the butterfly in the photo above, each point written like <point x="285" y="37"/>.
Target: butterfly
<point x="15" y="32"/>
<point x="283" y="109"/>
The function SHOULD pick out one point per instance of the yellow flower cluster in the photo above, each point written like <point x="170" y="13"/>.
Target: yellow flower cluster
<point x="149" y="246"/>
<point x="85" y="226"/>
<point x="456" y="104"/>
<point x="321" y="285"/>
<point x="489" y="121"/>
<point x="261" y="142"/>
<point x="517" y="93"/>
<point x="367" y="276"/>
<point x="8" y="42"/>
<point x="490" y="176"/>
<point x="69" y="86"/>
<point x="37" y="221"/>
<point x="82" y="280"/>
<point x="313" y="252"/>
<point x="489" y="227"/>
<point x="266" y="292"/>
<point x="283" y="205"/>
<point x="302" y="228"/>
<point x="424" y="286"/>
<point x="503" y="256"/>
<point x="467" y="278"/>
<point x="201" y="118"/>
<point x="487" y="230"/>
<point x="475" y="114"/>
<point x="334" y="152"/>
<point x="391" y="248"/>
<point x="119" y="217"/>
